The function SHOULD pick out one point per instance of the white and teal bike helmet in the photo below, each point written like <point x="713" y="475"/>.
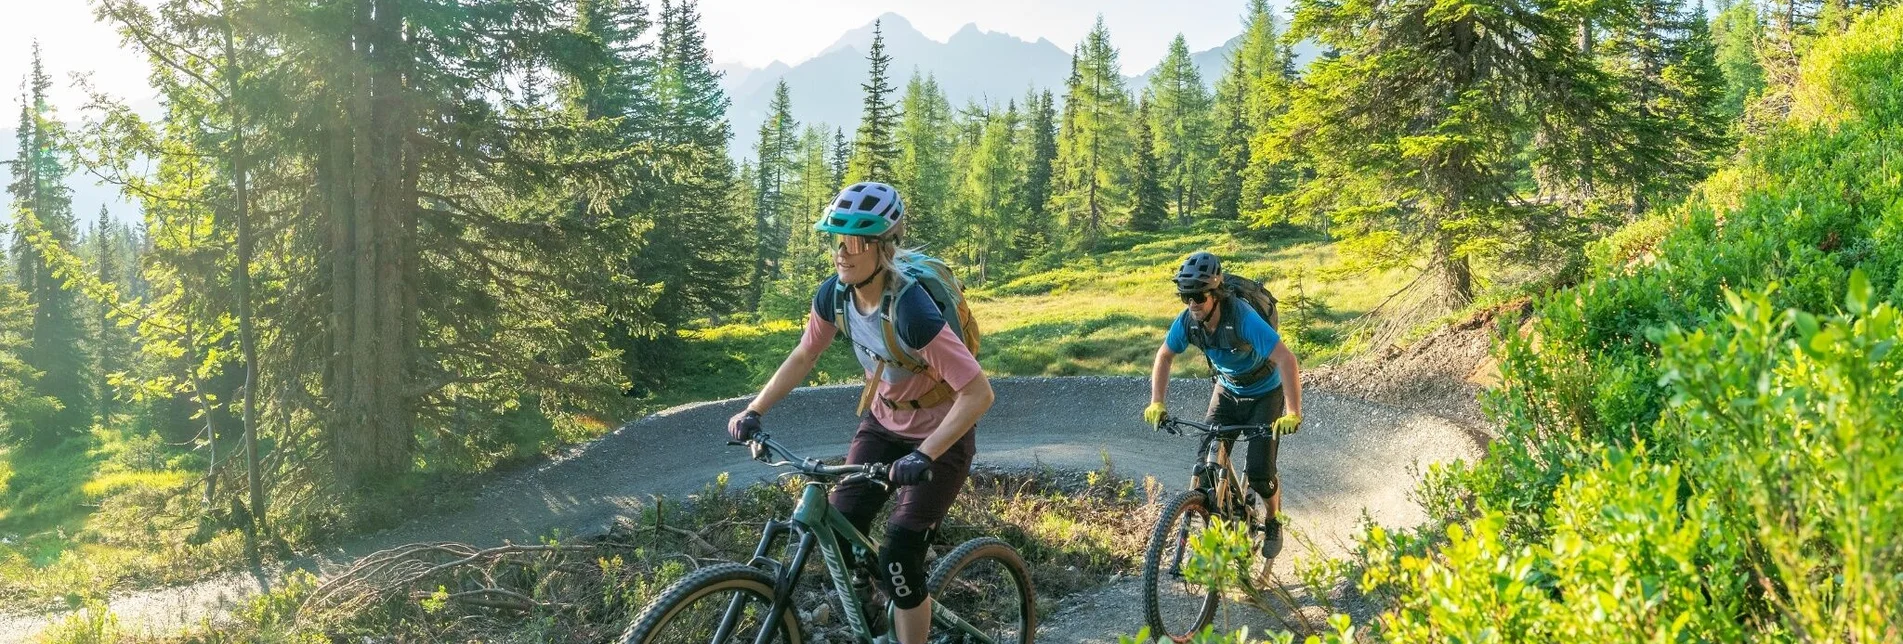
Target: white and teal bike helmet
<point x="866" y="209"/>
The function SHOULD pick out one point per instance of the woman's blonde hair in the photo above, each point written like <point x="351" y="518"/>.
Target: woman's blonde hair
<point x="889" y="250"/>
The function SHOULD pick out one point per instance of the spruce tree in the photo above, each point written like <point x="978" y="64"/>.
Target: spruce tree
<point x="1151" y="207"/>
<point x="1034" y="158"/>
<point x="841" y="158"/>
<point x="1736" y="32"/>
<point x="1662" y="59"/>
<point x="704" y="237"/>
<point x="873" y="150"/>
<point x="1416" y="132"/>
<point x="772" y="208"/>
<point x="1039" y="151"/>
<point x="111" y="348"/>
<point x="42" y="206"/>
<point x="1234" y="159"/>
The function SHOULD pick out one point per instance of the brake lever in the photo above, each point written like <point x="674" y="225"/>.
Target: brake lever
<point x="884" y="485"/>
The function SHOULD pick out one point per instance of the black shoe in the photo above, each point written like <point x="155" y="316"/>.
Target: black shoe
<point x="1272" y="539"/>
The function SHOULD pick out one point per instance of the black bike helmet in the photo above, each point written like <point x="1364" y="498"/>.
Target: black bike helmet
<point x="1200" y="273"/>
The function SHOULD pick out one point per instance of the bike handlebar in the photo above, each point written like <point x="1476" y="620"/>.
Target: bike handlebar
<point x="1182" y="427"/>
<point x="763" y="447"/>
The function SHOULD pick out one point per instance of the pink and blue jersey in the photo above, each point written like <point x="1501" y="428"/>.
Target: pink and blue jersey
<point x="921" y="328"/>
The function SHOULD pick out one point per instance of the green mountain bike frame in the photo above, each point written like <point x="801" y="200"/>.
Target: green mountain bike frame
<point x="816" y="525"/>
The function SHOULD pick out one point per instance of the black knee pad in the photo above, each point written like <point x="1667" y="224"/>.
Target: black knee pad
<point x="1264" y="486"/>
<point x="902" y="566"/>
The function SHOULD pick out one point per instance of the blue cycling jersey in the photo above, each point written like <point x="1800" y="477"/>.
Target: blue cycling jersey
<point x="1259" y="339"/>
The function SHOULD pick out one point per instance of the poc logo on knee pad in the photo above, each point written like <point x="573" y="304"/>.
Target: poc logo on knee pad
<point x="899" y="587"/>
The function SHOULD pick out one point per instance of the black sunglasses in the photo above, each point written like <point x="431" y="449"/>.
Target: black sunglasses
<point x="1193" y="298"/>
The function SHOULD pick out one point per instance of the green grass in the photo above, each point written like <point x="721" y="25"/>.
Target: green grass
<point x="1104" y="314"/>
<point x="98" y="515"/>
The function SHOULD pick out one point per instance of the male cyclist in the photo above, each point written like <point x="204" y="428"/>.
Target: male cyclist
<point x="1257" y="376"/>
<point x="923" y="419"/>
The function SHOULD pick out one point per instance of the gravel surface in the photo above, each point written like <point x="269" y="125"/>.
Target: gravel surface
<point x="1351" y="457"/>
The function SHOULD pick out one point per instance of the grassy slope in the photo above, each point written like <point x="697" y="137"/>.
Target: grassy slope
<point x="1098" y="315"/>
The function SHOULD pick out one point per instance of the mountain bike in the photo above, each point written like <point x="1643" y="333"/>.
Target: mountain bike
<point x="981" y="591"/>
<point x="1173" y="606"/>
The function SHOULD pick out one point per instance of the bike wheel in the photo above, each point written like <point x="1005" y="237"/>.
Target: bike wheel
<point x="984" y="582"/>
<point x="691" y="611"/>
<point x="1174" y="607"/>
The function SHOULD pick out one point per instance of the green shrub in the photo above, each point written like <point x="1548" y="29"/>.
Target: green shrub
<point x="1699" y="442"/>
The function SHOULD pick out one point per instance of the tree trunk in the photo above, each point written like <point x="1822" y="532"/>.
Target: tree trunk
<point x="375" y="306"/>
<point x="241" y="283"/>
<point x="1456" y="277"/>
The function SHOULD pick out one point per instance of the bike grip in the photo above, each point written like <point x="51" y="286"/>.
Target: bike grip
<point x="735" y="442"/>
<point x="925" y="477"/>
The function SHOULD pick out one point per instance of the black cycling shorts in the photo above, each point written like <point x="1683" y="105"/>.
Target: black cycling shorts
<point x="1226" y="408"/>
<point x="920" y="506"/>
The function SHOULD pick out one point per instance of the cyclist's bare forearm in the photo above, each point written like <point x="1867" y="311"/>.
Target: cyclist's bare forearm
<point x="791" y="373"/>
<point x="968" y="405"/>
<point x="1160" y="374"/>
<point x="1291" y="369"/>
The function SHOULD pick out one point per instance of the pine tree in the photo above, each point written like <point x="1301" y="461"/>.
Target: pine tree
<point x="923" y="173"/>
<point x="1234" y="159"/>
<point x="841" y="158"/>
<point x="111" y="348"/>
<point x="42" y="206"/>
<point x="1183" y="140"/>
<point x="873" y="149"/>
<point x="1662" y="59"/>
<point x="1151" y="207"/>
<point x="1736" y="32"/>
<point x="1415" y="132"/>
<point x="1265" y="69"/>
<point x="1095" y="144"/>
<point x="772" y="205"/>
<point x="1039" y="152"/>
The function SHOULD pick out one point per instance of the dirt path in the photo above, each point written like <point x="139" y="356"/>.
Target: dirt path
<point x="1350" y="456"/>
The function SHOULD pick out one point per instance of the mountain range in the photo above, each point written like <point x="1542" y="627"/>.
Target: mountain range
<point x="972" y="65"/>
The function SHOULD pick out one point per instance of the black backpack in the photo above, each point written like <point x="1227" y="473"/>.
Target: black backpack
<point x="1257" y="295"/>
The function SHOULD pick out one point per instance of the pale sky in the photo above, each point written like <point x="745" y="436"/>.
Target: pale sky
<point x="753" y="32"/>
<point x="757" y="32"/>
<point x="70" y="41"/>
